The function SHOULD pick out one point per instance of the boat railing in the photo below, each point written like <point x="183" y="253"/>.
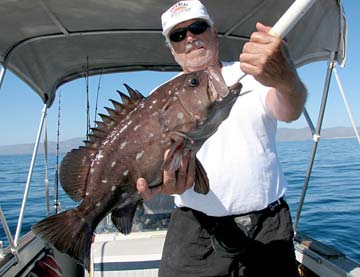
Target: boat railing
<point x="316" y="132"/>
<point x="13" y="242"/>
<point x="8" y="235"/>
<point x="32" y="163"/>
<point x="316" y="136"/>
<point x="347" y="106"/>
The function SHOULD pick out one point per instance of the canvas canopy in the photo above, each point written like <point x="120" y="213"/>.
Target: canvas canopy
<point x="49" y="42"/>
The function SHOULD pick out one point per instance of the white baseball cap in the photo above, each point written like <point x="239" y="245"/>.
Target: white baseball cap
<point x="182" y="11"/>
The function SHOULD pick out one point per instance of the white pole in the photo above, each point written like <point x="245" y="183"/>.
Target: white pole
<point x="293" y="14"/>
<point x="288" y="20"/>
<point x="346" y="104"/>
<point x="27" y="186"/>
<point x="2" y="74"/>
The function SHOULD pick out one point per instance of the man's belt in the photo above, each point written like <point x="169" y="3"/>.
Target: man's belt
<point x="230" y="235"/>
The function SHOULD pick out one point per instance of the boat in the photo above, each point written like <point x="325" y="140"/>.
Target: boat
<point x="48" y="43"/>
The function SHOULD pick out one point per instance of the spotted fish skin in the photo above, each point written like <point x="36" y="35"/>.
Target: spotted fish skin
<point x="130" y="143"/>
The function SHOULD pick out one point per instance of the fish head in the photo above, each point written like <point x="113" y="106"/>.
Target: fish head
<point x="191" y="97"/>
<point x="206" y="96"/>
<point x="201" y="89"/>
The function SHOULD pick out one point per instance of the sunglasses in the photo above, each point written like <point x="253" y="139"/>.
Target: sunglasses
<point x="195" y="28"/>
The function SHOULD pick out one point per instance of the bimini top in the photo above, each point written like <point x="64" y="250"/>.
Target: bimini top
<point x="49" y="42"/>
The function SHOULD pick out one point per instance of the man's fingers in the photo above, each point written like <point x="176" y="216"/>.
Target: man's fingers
<point x="176" y="182"/>
<point x="254" y="59"/>
<point x="264" y="35"/>
<point x="255" y="48"/>
<point x="169" y="180"/>
<point x="145" y="192"/>
<point x="262" y="28"/>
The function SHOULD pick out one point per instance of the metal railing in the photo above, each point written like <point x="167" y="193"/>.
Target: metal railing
<point x="316" y="137"/>
<point x="27" y="186"/>
<point x="14" y="242"/>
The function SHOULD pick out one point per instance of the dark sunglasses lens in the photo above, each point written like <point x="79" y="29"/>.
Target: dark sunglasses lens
<point x="178" y="35"/>
<point x="196" y="28"/>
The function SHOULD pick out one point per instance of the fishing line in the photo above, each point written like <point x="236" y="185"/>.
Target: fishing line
<point x="97" y="97"/>
<point x="87" y="99"/>
<point x="56" y="185"/>
<point x="47" y="194"/>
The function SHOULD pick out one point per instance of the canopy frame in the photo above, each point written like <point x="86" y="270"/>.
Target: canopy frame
<point x="82" y="27"/>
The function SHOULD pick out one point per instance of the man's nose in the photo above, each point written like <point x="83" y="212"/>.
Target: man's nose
<point x="189" y="36"/>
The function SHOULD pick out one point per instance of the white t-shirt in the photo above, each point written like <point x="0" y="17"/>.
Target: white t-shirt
<point x="240" y="158"/>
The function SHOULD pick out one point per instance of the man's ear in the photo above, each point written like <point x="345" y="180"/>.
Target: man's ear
<point x="216" y="34"/>
<point x="215" y="31"/>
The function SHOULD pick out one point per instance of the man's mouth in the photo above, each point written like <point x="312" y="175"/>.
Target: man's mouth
<point x="194" y="49"/>
<point x="194" y="45"/>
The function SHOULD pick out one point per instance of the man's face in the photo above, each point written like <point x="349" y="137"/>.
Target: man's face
<point x="195" y="52"/>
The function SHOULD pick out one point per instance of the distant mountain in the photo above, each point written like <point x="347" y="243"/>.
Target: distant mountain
<point x="27" y="148"/>
<point x="288" y="134"/>
<point x="283" y="134"/>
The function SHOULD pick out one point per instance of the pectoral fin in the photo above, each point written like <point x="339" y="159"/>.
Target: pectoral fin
<point x="201" y="179"/>
<point x="173" y="157"/>
<point x="123" y="217"/>
<point x="173" y="160"/>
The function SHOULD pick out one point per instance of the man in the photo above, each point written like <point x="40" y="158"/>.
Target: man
<point x="242" y="227"/>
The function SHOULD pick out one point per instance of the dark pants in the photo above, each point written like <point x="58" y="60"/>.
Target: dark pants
<point x="189" y="251"/>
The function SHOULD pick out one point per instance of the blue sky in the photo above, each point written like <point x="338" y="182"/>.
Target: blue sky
<point x="21" y="107"/>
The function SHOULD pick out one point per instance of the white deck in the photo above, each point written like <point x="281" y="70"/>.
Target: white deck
<point x="137" y="254"/>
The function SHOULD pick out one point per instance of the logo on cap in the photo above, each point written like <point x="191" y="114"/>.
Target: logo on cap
<point x="179" y="8"/>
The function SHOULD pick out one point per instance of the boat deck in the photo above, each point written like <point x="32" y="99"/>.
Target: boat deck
<point x="137" y="254"/>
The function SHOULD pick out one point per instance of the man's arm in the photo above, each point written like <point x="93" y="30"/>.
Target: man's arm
<point x="266" y="57"/>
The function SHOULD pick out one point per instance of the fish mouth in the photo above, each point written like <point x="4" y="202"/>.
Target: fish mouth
<point x="216" y="84"/>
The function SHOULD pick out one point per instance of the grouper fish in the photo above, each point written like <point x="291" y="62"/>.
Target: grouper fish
<point x="129" y="143"/>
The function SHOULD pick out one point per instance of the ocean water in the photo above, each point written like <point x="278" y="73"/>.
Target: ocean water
<point x="331" y="212"/>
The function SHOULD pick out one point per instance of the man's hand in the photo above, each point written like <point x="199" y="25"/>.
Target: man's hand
<point x="267" y="59"/>
<point x="174" y="182"/>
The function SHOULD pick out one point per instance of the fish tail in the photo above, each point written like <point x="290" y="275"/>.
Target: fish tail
<point x="68" y="233"/>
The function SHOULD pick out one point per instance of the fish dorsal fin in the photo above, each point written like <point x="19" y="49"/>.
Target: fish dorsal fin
<point x="106" y="119"/>
<point x="75" y="165"/>
<point x="126" y="101"/>
<point x="74" y="171"/>
<point x="134" y="94"/>
<point x="115" y="116"/>
<point x="98" y="132"/>
<point x="120" y="108"/>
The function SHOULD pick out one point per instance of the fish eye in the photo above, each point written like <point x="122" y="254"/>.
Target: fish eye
<point x="193" y="82"/>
